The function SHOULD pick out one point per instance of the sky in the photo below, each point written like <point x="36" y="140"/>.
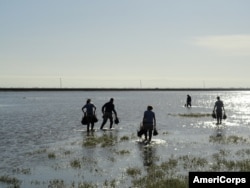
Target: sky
<point x="125" y="44"/>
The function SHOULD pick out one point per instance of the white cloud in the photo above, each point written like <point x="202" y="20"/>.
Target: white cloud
<point x="230" y="44"/>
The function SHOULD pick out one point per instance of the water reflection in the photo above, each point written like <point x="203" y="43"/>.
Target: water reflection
<point x="219" y="131"/>
<point x="148" y="154"/>
<point x="91" y="133"/>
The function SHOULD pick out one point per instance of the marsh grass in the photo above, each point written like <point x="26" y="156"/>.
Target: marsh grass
<point x="88" y="160"/>
<point x="67" y="152"/>
<point x="152" y="182"/>
<point x="75" y="163"/>
<point x="85" y="185"/>
<point x="85" y="161"/>
<point x="56" y="183"/>
<point x="133" y="171"/>
<point x="169" y="165"/>
<point x="230" y="165"/>
<point x="228" y="139"/>
<point x="40" y="151"/>
<point x="22" y="171"/>
<point x="123" y="152"/>
<point x="124" y="138"/>
<point x="159" y="176"/>
<point x="191" y="162"/>
<point x="51" y="155"/>
<point x="192" y="115"/>
<point x="104" y="141"/>
<point x="243" y="152"/>
<point x="11" y="181"/>
<point x="165" y="174"/>
<point x="111" y="184"/>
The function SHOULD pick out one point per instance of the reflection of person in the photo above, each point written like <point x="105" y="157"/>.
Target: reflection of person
<point x="189" y="100"/>
<point x="219" y="106"/>
<point x="89" y="109"/>
<point x="148" y="156"/>
<point x="107" y="110"/>
<point x="149" y="123"/>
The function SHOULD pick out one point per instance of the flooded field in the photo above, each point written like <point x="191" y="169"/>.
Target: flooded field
<point x="43" y="143"/>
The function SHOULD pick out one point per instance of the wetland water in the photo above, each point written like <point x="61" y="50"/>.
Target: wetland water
<point x="43" y="143"/>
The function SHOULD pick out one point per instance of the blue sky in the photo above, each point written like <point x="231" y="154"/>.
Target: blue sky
<point x="133" y="43"/>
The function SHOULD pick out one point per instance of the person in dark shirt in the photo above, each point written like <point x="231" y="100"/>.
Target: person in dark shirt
<point x="189" y="100"/>
<point x="219" y="107"/>
<point x="89" y="109"/>
<point x="149" y="123"/>
<point x="107" y="110"/>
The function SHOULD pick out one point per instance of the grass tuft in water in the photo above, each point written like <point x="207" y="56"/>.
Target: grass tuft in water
<point x="170" y="164"/>
<point x="133" y="171"/>
<point x="195" y="115"/>
<point x="10" y="180"/>
<point x="158" y="176"/>
<point x="124" y="138"/>
<point x="191" y="162"/>
<point x="22" y="171"/>
<point x="86" y="185"/>
<point x="152" y="182"/>
<point x="243" y="152"/>
<point x="57" y="183"/>
<point x="75" y="163"/>
<point x="111" y="184"/>
<point x="123" y="152"/>
<point x="40" y="151"/>
<point x="67" y="152"/>
<point x="104" y="141"/>
<point x="51" y="155"/>
<point x="228" y="140"/>
<point x="192" y="115"/>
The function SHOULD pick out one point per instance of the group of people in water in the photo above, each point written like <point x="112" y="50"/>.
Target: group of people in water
<point x="217" y="111"/>
<point x="148" y="120"/>
<point x="89" y="109"/>
<point x="107" y="109"/>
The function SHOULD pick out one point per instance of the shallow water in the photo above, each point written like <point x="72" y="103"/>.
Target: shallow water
<point x="36" y="124"/>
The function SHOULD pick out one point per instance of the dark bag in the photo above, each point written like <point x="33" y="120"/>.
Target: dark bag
<point x="140" y="132"/>
<point x="155" y="132"/>
<point x="224" y="116"/>
<point x="84" y="119"/>
<point x="117" y="120"/>
<point x="95" y="119"/>
<point x="214" y="115"/>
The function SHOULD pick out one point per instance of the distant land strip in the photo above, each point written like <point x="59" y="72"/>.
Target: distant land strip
<point x="124" y="89"/>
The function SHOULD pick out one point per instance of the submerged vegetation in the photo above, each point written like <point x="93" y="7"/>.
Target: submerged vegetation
<point x="195" y="115"/>
<point x="51" y="155"/>
<point x="228" y="139"/>
<point x="10" y="180"/>
<point x="104" y="141"/>
<point x="154" y="173"/>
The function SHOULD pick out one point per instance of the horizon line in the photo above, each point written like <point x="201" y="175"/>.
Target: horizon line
<point x="124" y="89"/>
